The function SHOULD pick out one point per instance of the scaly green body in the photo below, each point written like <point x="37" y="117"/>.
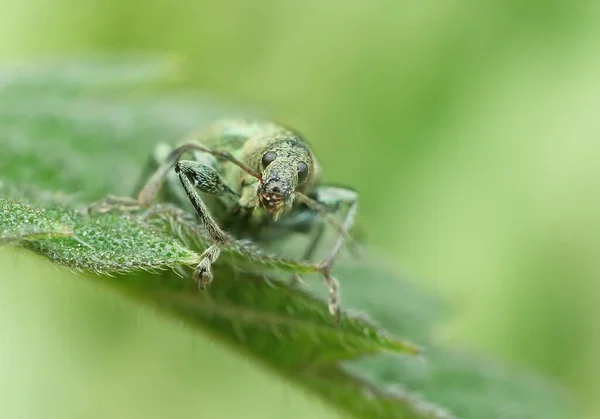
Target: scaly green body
<point x="251" y="179"/>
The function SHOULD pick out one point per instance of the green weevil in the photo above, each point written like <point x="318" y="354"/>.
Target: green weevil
<point x="254" y="180"/>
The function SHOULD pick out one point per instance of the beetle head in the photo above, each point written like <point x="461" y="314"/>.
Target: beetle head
<point x="285" y="167"/>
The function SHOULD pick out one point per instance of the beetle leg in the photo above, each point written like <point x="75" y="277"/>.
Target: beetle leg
<point x="207" y="180"/>
<point x="335" y="197"/>
<point x="331" y="196"/>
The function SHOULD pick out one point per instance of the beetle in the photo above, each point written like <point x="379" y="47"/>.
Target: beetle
<point x="252" y="179"/>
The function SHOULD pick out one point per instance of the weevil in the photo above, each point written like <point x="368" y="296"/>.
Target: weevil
<point x="257" y="180"/>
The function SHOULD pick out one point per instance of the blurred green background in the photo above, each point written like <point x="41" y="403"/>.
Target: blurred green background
<point x="470" y="129"/>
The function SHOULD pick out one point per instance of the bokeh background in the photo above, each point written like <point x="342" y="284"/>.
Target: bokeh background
<point x="470" y="130"/>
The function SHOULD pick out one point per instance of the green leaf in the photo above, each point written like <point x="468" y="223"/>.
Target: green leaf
<point x="102" y="244"/>
<point x="108" y="243"/>
<point x="20" y="222"/>
<point x="465" y="384"/>
<point x="75" y="132"/>
<point x="285" y="328"/>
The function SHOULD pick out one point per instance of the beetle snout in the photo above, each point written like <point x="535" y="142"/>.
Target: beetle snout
<point x="274" y="193"/>
<point x="276" y="186"/>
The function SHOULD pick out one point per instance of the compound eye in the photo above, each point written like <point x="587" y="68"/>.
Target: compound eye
<point x="302" y="172"/>
<point x="268" y="158"/>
